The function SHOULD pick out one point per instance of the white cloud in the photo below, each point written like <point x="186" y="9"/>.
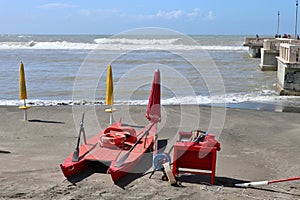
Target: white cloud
<point x="175" y="14"/>
<point x="100" y="12"/>
<point x="210" y="15"/>
<point x="56" y="5"/>
<point x="195" y="13"/>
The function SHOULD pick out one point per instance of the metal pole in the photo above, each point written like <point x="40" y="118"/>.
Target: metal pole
<point x="296" y="19"/>
<point x="25" y="110"/>
<point x="111" y="118"/>
<point x="278" y="23"/>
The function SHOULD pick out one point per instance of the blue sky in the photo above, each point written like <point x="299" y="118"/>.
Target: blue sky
<point x="111" y="16"/>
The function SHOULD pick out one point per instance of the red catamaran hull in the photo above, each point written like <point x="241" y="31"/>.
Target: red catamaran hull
<point x="93" y="151"/>
<point x="134" y="158"/>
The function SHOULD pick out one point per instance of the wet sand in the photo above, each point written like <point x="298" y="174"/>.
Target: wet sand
<point x="255" y="145"/>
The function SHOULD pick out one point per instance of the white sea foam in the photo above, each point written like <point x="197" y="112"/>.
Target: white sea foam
<point x="135" y="41"/>
<point x="38" y="102"/>
<point x="183" y="100"/>
<point x="47" y="45"/>
<point x="118" y="44"/>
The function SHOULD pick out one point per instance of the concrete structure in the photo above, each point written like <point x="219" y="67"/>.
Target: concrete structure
<point x="254" y="44"/>
<point x="288" y="73"/>
<point x="270" y="50"/>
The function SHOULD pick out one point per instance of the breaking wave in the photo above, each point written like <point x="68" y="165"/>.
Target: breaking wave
<point x="119" y="44"/>
<point x="233" y="98"/>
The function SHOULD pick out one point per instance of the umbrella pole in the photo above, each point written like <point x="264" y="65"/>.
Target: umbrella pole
<point x="111" y="118"/>
<point x="110" y="110"/>
<point x="25" y="110"/>
<point x="261" y="183"/>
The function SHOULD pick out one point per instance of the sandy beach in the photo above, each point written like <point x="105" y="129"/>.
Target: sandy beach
<point x="255" y="145"/>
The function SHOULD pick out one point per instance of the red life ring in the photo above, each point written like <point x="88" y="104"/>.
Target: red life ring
<point x="112" y="139"/>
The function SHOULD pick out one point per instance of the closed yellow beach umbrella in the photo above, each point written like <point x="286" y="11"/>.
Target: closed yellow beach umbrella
<point x="109" y="87"/>
<point x="109" y="93"/>
<point x="23" y="93"/>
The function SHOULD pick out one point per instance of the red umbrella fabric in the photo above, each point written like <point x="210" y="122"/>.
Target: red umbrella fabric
<point x="153" y="110"/>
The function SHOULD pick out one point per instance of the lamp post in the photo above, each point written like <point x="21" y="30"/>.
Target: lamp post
<point x="296" y="19"/>
<point x="278" y="23"/>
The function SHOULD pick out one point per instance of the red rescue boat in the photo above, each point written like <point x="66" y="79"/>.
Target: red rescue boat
<point x="117" y="148"/>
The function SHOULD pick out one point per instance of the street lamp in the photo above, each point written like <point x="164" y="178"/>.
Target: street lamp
<point x="278" y="23"/>
<point x="296" y="19"/>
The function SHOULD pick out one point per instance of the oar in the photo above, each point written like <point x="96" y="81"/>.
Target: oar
<point x="261" y="183"/>
<point x="120" y="162"/>
<point x="76" y="152"/>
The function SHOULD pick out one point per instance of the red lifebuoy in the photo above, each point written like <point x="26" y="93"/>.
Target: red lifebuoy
<point x="112" y="139"/>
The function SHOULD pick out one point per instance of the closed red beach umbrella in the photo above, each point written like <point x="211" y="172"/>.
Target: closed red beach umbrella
<point x="153" y="113"/>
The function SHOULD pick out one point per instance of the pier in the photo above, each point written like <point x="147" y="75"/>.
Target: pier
<point x="255" y="45"/>
<point x="270" y="51"/>
<point x="267" y="49"/>
<point x="288" y="73"/>
<point x="281" y="55"/>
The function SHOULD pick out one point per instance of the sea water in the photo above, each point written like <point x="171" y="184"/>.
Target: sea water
<point x="55" y="63"/>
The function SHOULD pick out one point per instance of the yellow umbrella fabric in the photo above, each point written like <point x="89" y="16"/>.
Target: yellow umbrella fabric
<point x="23" y="93"/>
<point x="109" y="93"/>
<point x="109" y="87"/>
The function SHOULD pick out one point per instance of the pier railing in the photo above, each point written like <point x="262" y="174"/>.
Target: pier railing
<point x="254" y="41"/>
<point x="271" y="44"/>
<point x="289" y="53"/>
<point x="274" y="44"/>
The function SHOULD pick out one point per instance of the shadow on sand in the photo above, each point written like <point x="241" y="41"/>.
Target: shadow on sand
<point x="139" y="171"/>
<point x="5" y="152"/>
<point x="97" y="167"/>
<point x="93" y="167"/>
<point x="43" y="121"/>
<point x="146" y="163"/>
<point x="202" y="179"/>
